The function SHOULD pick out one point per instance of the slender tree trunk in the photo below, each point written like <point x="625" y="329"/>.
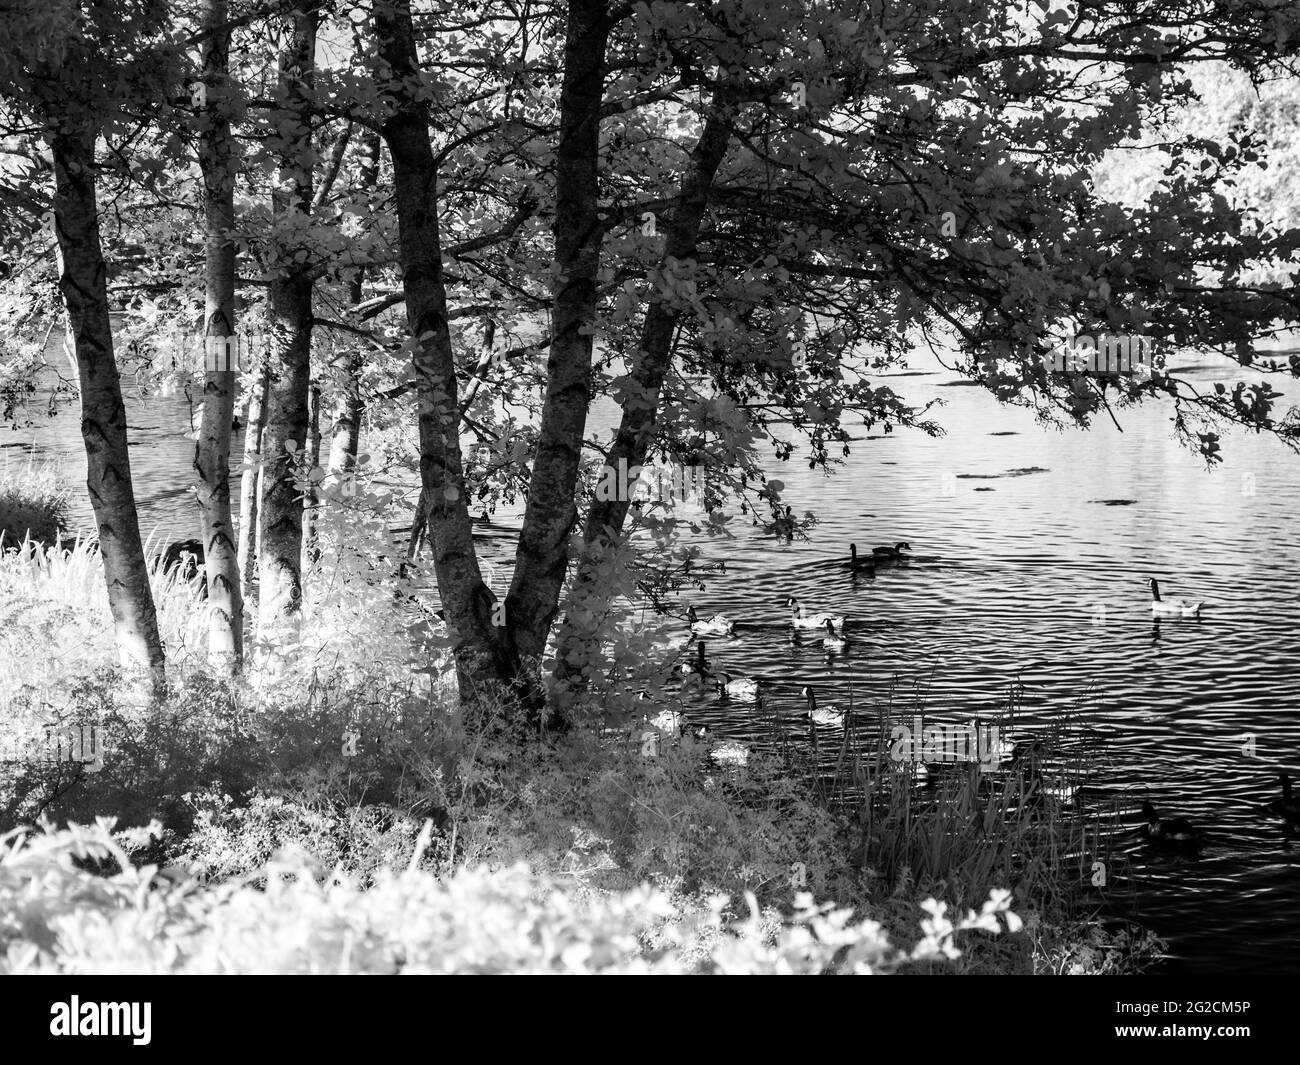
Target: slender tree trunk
<point x="345" y="433"/>
<point x="212" y="452"/>
<point x="289" y="304"/>
<point x="250" y="481"/>
<point x="311" y="459"/>
<point x="542" y="557"/>
<point x="487" y="662"/>
<point x="579" y="642"/>
<point x="103" y="415"/>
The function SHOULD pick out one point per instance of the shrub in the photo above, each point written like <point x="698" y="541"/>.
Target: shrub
<point x="60" y="918"/>
<point x="33" y="505"/>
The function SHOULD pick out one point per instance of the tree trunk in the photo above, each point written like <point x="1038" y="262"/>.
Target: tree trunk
<point x="250" y="482"/>
<point x="212" y="452"/>
<point x="311" y="460"/>
<point x="345" y="434"/>
<point x="487" y="662"/>
<point x="542" y="557"/>
<point x="289" y="306"/>
<point x="579" y="640"/>
<point x="103" y="415"/>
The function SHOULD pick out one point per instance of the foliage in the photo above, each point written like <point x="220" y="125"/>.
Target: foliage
<point x="33" y="505"/>
<point x="61" y="918"/>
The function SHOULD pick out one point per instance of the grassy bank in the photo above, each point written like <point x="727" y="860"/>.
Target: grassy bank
<point x="336" y="763"/>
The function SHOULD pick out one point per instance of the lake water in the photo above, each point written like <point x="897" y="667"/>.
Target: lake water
<point x="1023" y="577"/>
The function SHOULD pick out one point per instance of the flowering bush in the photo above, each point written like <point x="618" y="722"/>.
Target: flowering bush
<point x="57" y="917"/>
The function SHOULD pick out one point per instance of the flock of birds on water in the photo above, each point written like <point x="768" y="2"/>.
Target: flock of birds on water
<point x="1173" y="832"/>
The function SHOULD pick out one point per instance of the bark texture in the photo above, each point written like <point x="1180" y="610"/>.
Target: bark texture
<point x="289" y="305"/>
<point x="212" y="451"/>
<point x="487" y="663"/>
<point x="541" y="560"/>
<point x="103" y="415"/>
<point x="578" y="641"/>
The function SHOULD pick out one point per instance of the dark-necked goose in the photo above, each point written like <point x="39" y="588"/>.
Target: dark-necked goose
<point x="895" y="552"/>
<point x="1287" y="807"/>
<point x="1175" y="830"/>
<point x="865" y="564"/>
<point x="739" y="688"/>
<point x="810" y="621"/>
<point x="831" y="715"/>
<point x="1185" y="607"/>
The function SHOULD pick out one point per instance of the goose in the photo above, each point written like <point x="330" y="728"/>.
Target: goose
<point x="1176" y="830"/>
<point x="1286" y="807"/>
<point x="740" y="688"/>
<point x="834" y="638"/>
<point x="994" y="744"/>
<point x="730" y="752"/>
<point x="718" y="625"/>
<point x="866" y="564"/>
<point x="699" y="664"/>
<point x="1184" y="607"/>
<point x="832" y="716"/>
<point x="812" y="621"/>
<point x="891" y="552"/>
<point x="667" y="721"/>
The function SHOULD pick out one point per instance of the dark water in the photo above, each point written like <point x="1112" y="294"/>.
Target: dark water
<point x="1035" y="581"/>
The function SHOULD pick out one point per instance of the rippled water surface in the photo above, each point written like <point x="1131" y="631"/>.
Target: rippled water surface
<point x="1031" y="551"/>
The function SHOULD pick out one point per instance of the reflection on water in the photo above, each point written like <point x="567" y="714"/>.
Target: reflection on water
<point x="1032" y="547"/>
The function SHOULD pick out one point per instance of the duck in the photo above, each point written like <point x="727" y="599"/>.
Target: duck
<point x="1287" y="807"/>
<point x="740" y="688"/>
<point x="729" y="752"/>
<point x="671" y="721"/>
<point x="894" y="552"/>
<point x="812" y="621"/>
<point x="832" y="716"/>
<point x="1185" y="607"/>
<point x="1176" y="830"/>
<point x="995" y="744"/>
<point x="699" y="664"/>
<point x="866" y="564"/>
<point x="718" y="625"/>
<point x="834" y="637"/>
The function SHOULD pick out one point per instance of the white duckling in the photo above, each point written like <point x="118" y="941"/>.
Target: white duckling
<point x="811" y="621"/>
<point x="1183" y="607"/>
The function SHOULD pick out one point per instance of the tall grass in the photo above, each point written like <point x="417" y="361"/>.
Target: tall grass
<point x="33" y="504"/>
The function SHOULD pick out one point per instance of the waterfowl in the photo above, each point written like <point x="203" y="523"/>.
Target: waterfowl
<point x="831" y="715"/>
<point x="1176" y="830"/>
<point x="866" y="564"/>
<point x="1184" y="607"/>
<point x="667" y="721"/>
<point x="718" y="625"/>
<point x="699" y="664"/>
<point x="1287" y="807"/>
<point x="891" y="552"/>
<point x="995" y="745"/>
<point x="730" y="752"/>
<point x="812" y="621"/>
<point x="740" y="688"/>
<point x="834" y="637"/>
